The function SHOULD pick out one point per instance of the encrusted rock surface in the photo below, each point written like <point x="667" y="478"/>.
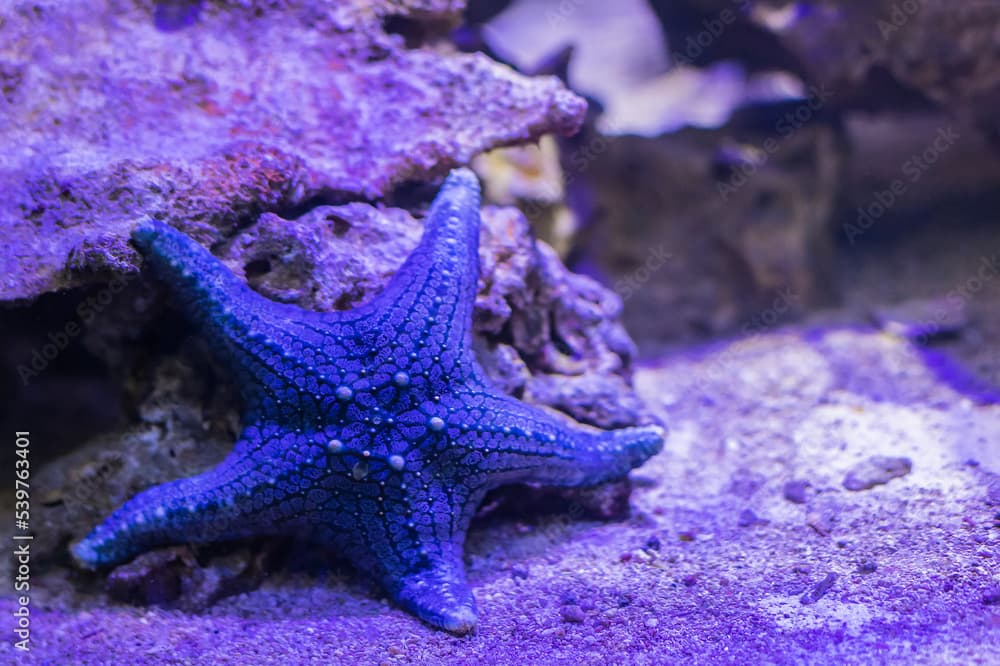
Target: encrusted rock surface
<point x="253" y="107"/>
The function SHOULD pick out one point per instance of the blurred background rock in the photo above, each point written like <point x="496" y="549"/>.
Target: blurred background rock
<point x="740" y="156"/>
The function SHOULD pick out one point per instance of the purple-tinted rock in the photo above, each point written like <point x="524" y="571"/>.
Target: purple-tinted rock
<point x="947" y="52"/>
<point x="875" y="471"/>
<point x="178" y="432"/>
<point x="748" y="518"/>
<point x="251" y="108"/>
<point x="821" y="522"/>
<point x="796" y="491"/>
<point x="966" y="164"/>
<point x="173" y="577"/>
<point x="572" y="613"/>
<point x="519" y="573"/>
<point x="689" y="224"/>
<point x="744" y="483"/>
<point x="151" y="578"/>
<point x="607" y="501"/>
<point x="867" y="567"/>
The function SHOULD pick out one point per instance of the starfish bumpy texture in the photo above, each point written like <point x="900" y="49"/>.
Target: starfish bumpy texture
<point x="374" y="430"/>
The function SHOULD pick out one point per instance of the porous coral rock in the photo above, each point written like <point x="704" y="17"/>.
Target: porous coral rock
<point x="252" y="107"/>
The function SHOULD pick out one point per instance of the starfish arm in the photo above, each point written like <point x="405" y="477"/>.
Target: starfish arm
<point x="426" y="575"/>
<point x="516" y="443"/>
<point x="438" y="594"/>
<point x="204" y="286"/>
<point x="257" y="338"/>
<point x="428" y="302"/>
<point x="231" y="501"/>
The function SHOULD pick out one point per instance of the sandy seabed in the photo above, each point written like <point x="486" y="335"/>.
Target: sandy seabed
<point x="743" y="545"/>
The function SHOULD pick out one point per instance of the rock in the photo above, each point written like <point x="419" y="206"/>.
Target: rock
<point x="177" y="433"/>
<point x="151" y="578"/>
<point x="821" y="522"/>
<point x="744" y="483"/>
<point x="796" y="491"/>
<point x="748" y="518"/>
<point x="616" y="48"/>
<point x="708" y="226"/>
<point x="572" y="613"/>
<point x="902" y="164"/>
<point x="172" y="577"/>
<point x="875" y="471"/>
<point x="886" y="49"/>
<point x="519" y="573"/>
<point x="607" y="501"/>
<point x="289" y="107"/>
<point x="618" y="56"/>
<point x="867" y="567"/>
<point x="531" y="178"/>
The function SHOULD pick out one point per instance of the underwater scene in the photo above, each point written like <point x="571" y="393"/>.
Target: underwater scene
<point x="500" y="332"/>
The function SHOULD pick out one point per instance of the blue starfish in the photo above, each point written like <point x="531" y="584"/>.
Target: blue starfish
<point x="373" y="430"/>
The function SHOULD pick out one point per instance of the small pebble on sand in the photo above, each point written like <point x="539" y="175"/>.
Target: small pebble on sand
<point x="876" y="471"/>
<point x="572" y="613"/>
<point x="796" y="491"/>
